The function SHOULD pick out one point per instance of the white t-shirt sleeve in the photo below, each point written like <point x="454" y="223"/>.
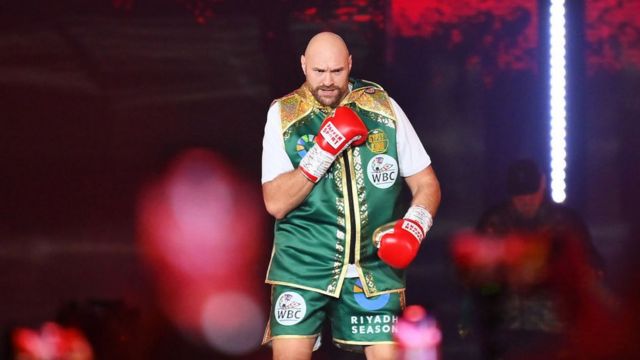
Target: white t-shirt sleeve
<point x="412" y="156"/>
<point x="275" y="160"/>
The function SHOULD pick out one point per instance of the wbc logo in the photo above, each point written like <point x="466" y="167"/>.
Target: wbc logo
<point x="290" y="308"/>
<point x="382" y="171"/>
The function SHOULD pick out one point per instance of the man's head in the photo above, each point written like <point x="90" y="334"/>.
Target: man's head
<point x="526" y="185"/>
<point x="326" y="64"/>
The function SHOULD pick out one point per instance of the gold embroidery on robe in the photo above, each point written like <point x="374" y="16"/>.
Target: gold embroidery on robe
<point x="371" y="99"/>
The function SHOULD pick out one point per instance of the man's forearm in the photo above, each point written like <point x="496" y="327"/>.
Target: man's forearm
<point x="425" y="190"/>
<point x="399" y="246"/>
<point x="285" y="192"/>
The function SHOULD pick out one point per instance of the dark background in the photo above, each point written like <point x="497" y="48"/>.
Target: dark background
<point x="97" y="95"/>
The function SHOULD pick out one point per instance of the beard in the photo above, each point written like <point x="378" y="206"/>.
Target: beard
<point x="332" y="100"/>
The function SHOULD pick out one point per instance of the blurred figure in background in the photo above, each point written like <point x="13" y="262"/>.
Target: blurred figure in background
<point x="531" y="269"/>
<point x="198" y="231"/>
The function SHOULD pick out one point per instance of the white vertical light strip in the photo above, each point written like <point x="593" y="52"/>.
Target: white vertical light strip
<point x="558" y="112"/>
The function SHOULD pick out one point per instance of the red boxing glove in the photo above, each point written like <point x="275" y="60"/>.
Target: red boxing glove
<point x="399" y="246"/>
<point x="336" y="133"/>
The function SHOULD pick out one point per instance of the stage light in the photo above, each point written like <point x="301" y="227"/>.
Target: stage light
<point x="557" y="92"/>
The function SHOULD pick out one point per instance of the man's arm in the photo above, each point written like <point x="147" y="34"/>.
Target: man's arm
<point x="285" y="192"/>
<point x="399" y="246"/>
<point x="283" y="186"/>
<point x="425" y="189"/>
<point x="289" y="189"/>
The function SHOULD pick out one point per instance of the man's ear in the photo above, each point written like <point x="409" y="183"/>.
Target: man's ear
<point x="349" y="62"/>
<point x="303" y="63"/>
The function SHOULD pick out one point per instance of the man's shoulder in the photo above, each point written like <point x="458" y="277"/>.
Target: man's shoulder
<point x="358" y="84"/>
<point x="501" y="209"/>
<point x="370" y="96"/>
<point x="293" y="107"/>
<point x="293" y="96"/>
<point x="497" y="215"/>
<point x="561" y="213"/>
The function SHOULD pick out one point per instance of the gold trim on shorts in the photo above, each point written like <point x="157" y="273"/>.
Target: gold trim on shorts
<point x="302" y="287"/>
<point x="363" y="342"/>
<point x="266" y="339"/>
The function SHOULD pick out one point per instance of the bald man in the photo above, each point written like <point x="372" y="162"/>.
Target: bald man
<point x="334" y="153"/>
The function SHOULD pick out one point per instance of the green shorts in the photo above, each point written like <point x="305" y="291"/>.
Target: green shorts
<point x="356" y="320"/>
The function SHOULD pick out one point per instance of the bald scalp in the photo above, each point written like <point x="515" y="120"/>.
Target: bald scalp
<point x="326" y="41"/>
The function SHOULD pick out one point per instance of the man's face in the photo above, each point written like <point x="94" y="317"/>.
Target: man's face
<point x="327" y="75"/>
<point x="527" y="205"/>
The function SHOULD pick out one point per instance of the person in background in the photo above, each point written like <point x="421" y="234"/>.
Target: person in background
<point x="544" y="269"/>
<point x="336" y="153"/>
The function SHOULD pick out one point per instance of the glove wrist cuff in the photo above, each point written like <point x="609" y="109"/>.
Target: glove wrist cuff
<point x="412" y="228"/>
<point x="421" y="216"/>
<point x="316" y="163"/>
